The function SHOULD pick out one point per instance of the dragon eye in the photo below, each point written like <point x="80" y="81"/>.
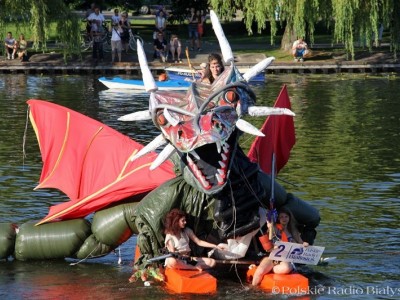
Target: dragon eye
<point x="231" y="96"/>
<point x="161" y="120"/>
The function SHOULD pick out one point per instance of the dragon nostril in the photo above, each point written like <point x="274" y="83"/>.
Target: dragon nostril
<point x="180" y="132"/>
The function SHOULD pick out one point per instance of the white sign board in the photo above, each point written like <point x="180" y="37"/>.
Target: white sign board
<point x="296" y="253"/>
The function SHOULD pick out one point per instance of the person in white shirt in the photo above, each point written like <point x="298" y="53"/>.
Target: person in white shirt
<point x="10" y="45"/>
<point x="160" y="24"/>
<point x="115" y="18"/>
<point x="97" y="15"/>
<point x="116" y="44"/>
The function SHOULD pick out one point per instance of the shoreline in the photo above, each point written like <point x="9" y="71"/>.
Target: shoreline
<point x="53" y="63"/>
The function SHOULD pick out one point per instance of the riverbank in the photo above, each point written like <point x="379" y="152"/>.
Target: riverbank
<point x="323" y="60"/>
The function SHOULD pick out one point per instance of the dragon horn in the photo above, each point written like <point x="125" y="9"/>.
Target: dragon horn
<point x="153" y="145"/>
<point x="248" y="128"/>
<point x="223" y="42"/>
<point x="258" y="111"/>
<point x="136" y="116"/>
<point x="149" y="82"/>
<point x="258" y="68"/>
<point x="163" y="156"/>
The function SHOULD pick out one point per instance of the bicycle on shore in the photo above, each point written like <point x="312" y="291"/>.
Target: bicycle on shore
<point x="133" y="38"/>
<point x="87" y="41"/>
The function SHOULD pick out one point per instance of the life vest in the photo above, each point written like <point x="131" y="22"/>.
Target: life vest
<point x="283" y="237"/>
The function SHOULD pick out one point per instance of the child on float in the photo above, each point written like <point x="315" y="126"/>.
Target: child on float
<point x="177" y="241"/>
<point x="286" y="231"/>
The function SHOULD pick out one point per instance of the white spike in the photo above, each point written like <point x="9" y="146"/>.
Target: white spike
<point x="194" y="153"/>
<point x="163" y="156"/>
<point x="258" y="68"/>
<point x="153" y="145"/>
<point x="258" y="111"/>
<point x="223" y="42"/>
<point x="219" y="178"/>
<point x="218" y="143"/>
<point x="136" y="116"/>
<point x="248" y="128"/>
<point x="170" y="118"/>
<point x="149" y="82"/>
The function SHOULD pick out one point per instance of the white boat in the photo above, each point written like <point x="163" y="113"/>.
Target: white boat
<point x="137" y="84"/>
<point x="179" y="73"/>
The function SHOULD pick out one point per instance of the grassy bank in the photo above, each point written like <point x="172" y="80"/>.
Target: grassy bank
<point x="235" y="31"/>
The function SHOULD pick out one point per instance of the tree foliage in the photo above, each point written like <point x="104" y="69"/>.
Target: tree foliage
<point x="353" y="21"/>
<point x="39" y="15"/>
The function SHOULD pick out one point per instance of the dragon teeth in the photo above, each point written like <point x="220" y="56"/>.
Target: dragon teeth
<point x="222" y="164"/>
<point x="219" y="178"/>
<point x="219" y="146"/>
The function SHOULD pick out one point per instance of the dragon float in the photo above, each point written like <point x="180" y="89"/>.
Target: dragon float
<point x="201" y="170"/>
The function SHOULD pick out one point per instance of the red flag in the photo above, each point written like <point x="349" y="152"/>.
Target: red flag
<point x="89" y="162"/>
<point x="279" y="138"/>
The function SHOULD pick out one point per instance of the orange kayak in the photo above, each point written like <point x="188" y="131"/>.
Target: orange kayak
<point x="190" y="281"/>
<point x="291" y="284"/>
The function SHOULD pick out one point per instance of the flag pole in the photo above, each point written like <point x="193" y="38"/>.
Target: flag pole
<point x="272" y="199"/>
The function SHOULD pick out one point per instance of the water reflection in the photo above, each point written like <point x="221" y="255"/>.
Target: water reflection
<point x="345" y="162"/>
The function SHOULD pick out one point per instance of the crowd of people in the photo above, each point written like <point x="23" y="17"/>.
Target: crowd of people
<point x="167" y="44"/>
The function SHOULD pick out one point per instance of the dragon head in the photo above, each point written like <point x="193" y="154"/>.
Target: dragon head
<point x="202" y="126"/>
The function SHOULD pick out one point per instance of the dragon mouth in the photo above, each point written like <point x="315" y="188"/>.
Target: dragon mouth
<point x="210" y="164"/>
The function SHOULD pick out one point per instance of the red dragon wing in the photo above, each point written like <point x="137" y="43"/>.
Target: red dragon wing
<point x="89" y="161"/>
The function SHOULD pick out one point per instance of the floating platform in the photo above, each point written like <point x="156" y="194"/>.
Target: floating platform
<point x="190" y="281"/>
<point x="287" y="284"/>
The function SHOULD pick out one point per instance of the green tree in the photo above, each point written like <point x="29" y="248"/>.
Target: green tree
<point x="39" y="15"/>
<point x="352" y="20"/>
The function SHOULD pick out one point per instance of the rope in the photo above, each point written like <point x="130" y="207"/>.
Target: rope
<point x="24" y="137"/>
<point x="83" y="259"/>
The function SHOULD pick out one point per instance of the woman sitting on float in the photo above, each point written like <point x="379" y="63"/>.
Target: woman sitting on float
<point x="286" y="231"/>
<point x="177" y="241"/>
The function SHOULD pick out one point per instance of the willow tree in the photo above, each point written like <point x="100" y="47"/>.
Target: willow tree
<point x="39" y="15"/>
<point x="352" y="20"/>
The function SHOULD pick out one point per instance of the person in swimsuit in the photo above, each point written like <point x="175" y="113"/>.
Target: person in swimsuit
<point x="285" y="231"/>
<point x="177" y="241"/>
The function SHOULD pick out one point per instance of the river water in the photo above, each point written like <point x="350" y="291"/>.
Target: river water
<point x="346" y="163"/>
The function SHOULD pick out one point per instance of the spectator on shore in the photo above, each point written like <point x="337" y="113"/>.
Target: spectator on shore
<point x="90" y="10"/>
<point x="116" y="44"/>
<point x="116" y="17"/>
<point x="160" y="24"/>
<point x="299" y="50"/>
<point x="193" y="20"/>
<point x="22" y="45"/>
<point x="10" y="45"/>
<point x="126" y="28"/>
<point x="88" y="13"/>
<point x="175" y="47"/>
<point x="97" y="15"/>
<point x="200" y="26"/>
<point x="97" y="33"/>
<point x="160" y="47"/>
